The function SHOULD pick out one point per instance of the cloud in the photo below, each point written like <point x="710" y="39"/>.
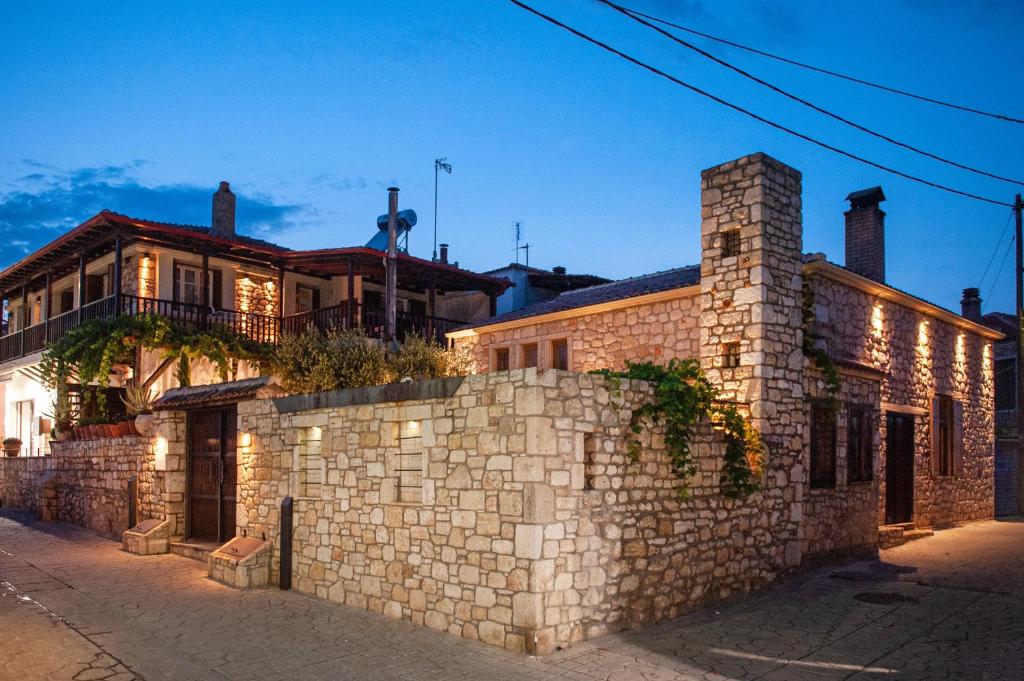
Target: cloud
<point x="48" y="201"/>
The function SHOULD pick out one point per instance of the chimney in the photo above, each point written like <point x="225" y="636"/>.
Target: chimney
<point x="865" y="234"/>
<point x="223" y="223"/>
<point x="444" y="254"/>
<point x="970" y="305"/>
<point x="558" y="269"/>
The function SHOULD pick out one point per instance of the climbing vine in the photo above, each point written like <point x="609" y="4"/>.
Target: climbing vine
<point x="92" y="349"/>
<point x="820" y="356"/>
<point x="683" y="397"/>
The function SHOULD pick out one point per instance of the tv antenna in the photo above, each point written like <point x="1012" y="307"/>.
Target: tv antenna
<point x="525" y="247"/>
<point x="439" y="165"/>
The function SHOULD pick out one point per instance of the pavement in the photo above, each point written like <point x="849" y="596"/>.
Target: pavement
<point x="73" y="606"/>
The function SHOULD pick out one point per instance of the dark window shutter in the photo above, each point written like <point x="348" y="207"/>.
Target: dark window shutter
<point x="936" y="455"/>
<point x="958" y="438"/>
<point x="175" y="293"/>
<point x="110" y="279"/>
<point x="316" y="299"/>
<point x="217" y="294"/>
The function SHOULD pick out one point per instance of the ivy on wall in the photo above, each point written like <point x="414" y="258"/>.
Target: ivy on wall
<point x="820" y="356"/>
<point x="684" y="397"/>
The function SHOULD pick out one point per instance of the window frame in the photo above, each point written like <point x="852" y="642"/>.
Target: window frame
<point x="553" y="346"/>
<point x="731" y="355"/>
<point x="861" y="418"/>
<point x="506" y="352"/>
<point x="523" y="349"/>
<point x="819" y="409"/>
<point x="731" y="243"/>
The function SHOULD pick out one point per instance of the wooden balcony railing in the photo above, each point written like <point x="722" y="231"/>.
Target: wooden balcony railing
<point x="258" y="327"/>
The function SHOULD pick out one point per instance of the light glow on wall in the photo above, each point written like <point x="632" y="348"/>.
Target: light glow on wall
<point x="877" y="325"/>
<point x="160" y="453"/>
<point x="245" y="441"/>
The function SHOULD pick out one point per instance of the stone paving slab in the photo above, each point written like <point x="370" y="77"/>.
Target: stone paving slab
<point x="75" y="607"/>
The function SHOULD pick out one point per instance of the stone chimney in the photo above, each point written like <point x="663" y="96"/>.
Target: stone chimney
<point x="970" y="305"/>
<point x="444" y="254"/>
<point x="558" y="269"/>
<point x="865" y="234"/>
<point x="223" y="223"/>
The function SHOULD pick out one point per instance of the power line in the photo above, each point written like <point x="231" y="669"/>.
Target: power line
<point x="747" y="112"/>
<point x="999" y="242"/>
<point x="1000" y="271"/>
<point x="746" y="74"/>
<point x="828" y="72"/>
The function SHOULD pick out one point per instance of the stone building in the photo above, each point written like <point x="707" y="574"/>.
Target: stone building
<point x="912" y="442"/>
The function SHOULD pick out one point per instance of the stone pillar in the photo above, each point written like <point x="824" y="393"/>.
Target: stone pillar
<point x="751" y="238"/>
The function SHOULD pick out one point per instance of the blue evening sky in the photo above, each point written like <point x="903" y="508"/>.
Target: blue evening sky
<point x="311" y="110"/>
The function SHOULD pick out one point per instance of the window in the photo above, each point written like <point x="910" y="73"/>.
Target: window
<point x="409" y="463"/>
<point x="27" y="435"/>
<point x="307" y="299"/>
<point x="188" y="286"/>
<point x="860" y="441"/>
<point x="730" y="243"/>
<point x="731" y="355"/>
<point x="501" y="359"/>
<point x="823" y="445"/>
<point x="560" y="354"/>
<point x="947" y="435"/>
<point x="67" y="301"/>
<point x="529" y="355"/>
<point x="1006" y="384"/>
<point x="310" y="461"/>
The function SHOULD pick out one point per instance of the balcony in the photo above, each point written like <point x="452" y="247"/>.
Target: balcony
<point x="258" y="327"/>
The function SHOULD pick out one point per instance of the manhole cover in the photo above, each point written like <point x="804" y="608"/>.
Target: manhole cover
<point x="884" y="598"/>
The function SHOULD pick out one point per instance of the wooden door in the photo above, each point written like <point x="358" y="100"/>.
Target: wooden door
<point x="212" y="475"/>
<point x="899" y="468"/>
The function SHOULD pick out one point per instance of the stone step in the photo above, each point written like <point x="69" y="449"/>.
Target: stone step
<point x="917" y="534"/>
<point x="891" y="536"/>
<point x="195" y="550"/>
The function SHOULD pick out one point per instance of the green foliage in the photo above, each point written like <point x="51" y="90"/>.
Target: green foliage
<point x="418" y="358"/>
<point x="61" y="411"/>
<point x="821" y="358"/>
<point x="683" y="397"/>
<point x="138" y="400"/>
<point x="313" y="361"/>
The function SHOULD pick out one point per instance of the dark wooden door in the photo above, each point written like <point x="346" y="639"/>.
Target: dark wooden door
<point x="899" y="468"/>
<point x="212" y="474"/>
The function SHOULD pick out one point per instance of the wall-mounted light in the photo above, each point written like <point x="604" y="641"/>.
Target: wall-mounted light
<point x="160" y="453"/>
<point x="245" y="441"/>
<point x="876" y="319"/>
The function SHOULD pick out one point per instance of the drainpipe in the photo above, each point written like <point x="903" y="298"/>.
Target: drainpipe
<point x="391" y="290"/>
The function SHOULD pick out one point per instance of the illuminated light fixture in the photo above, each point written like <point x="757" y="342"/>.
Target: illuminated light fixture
<point x="876" y="319"/>
<point x="245" y="441"/>
<point x="160" y="453"/>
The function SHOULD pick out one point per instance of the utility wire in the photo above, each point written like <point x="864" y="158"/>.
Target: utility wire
<point x="747" y="112"/>
<point x="1000" y="271"/>
<point x="995" y="250"/>
<point x="827" y="72"/>
<point x="746" y="74"/>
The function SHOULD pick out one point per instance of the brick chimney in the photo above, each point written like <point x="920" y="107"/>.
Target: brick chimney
<point x="865" y="234"/>
<point x="970" y="304"/>
<point x="223" y="223"/>
<point x="444" y="254"/>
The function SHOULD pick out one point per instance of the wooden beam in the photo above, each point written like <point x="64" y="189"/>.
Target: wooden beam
<point x="157" y="373"/>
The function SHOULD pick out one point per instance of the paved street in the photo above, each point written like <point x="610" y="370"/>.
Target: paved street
<point x="73" y="606"/>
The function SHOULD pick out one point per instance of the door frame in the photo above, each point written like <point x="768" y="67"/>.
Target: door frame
<point x="890" y="467"/>
<point x="228" y="417"/>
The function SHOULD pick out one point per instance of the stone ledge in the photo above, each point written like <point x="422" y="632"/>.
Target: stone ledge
<point x="392" y="392"/>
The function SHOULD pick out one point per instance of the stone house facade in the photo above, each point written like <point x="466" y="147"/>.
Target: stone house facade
<point x="901" y="359"/>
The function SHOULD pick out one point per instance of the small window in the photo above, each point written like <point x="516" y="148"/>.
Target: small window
<point x="409" y="462"/>
<point x="307" y="299"/>
<point x="67" y="301"/>
<point x="823" y="445"/>
<point x="501" y="359"/>
<point x="310" y="461"/>
<point x="731" y="355"/>
<point x="730" y="243"/>
<point x="1006" y="384"/>
<point x="947" y="434"/>
<point x="529" y="355"/>
<point x="560" y="354"/>
<point x="860" y="441"/>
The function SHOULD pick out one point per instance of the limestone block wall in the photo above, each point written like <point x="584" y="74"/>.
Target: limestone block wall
<point x="842" y="519"/>
<point x="658" y="331"/>
<point x="21" y="479"/>
<point x="918" y="356"/>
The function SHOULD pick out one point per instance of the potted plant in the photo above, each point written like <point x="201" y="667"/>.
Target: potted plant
<point x="12" y="446"/>
<point x="139" y="402"/>
<point x="62" y="415"/>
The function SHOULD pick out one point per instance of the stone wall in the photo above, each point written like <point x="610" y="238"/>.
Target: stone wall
<point x="534" y="529"/>
<point x="659" y="331"/>
<point x="918" y="356"/>
<point x="91" y="478"/>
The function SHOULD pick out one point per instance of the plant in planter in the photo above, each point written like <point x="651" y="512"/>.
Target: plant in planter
<point x="62" y="414"/>
<point x="12" y="446"/>
<point x="138" y="400"/>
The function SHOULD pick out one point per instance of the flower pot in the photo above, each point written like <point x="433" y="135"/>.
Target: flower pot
<point x="110" y="430"/>
<point x="144" y="424"/>
<point x="91" y="431"/>
<point x="12" y="450"/>
<point x="126" y="428"/>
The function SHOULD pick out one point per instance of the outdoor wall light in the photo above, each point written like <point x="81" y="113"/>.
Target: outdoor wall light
<point x="245" y="441"/>
<point x="160" y="453"/>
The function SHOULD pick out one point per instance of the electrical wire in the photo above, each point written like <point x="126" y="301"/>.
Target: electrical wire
<point x="999" y="242"/>
<point x="751" y="114"/>
<point x="796" y="98"/>
<point x="1001" y="265"/>
<point x="828" y="72"/>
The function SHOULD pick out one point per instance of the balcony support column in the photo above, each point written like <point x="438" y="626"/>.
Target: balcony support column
<point x="431" y="310"/>
<point x="23" y="322"/>
<point x="47" y="304"/>
<point x="118" y="257"/>
<point x="206" y="290"/>
<point x="351" y="307"/>
<point x="81" y="284"/>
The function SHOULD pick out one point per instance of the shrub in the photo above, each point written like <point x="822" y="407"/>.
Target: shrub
<point x="313" y="361"/>
<point x="418" y="358"/>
